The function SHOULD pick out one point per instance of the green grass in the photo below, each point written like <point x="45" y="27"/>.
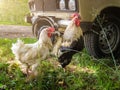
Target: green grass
<point x="83" y="73"/>
<point x="13" y="12"/>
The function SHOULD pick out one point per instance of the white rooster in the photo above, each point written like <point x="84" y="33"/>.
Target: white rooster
<point x="30" y="55"/>
<point x="73" y="31"/>
<point x="72" y="40"/>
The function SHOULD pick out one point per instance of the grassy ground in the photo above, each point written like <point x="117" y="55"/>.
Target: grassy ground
<point x="84" y="73"/>
<point x="13" y="11"/>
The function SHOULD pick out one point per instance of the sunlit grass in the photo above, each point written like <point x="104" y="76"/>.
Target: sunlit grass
<point x="13" y="11"/>
<point x="83" y="73"/>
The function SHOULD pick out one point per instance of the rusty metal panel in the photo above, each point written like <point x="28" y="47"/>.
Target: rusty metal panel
<point x="39" y="5"/>
<point x="49" y="5"/>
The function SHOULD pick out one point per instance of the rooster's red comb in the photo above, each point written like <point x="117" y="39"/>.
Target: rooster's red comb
<point x="51" y="29"/>
<point x="74" y="15"/>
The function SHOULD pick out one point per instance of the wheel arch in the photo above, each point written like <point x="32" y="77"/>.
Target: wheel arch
<point x="42" y="21"/>
<point x="111" y="10"/>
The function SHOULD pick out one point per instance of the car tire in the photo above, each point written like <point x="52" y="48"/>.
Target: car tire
<point x="104" y="38"/>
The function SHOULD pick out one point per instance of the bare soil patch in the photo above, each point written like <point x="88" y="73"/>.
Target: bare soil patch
<point x="14" y="31"/>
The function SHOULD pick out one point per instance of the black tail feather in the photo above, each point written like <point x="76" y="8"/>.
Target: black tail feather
<point x="68" y="52"/>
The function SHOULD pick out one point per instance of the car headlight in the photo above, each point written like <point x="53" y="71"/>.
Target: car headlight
<point x="72" y="5"/>
<point x="62" y="5"/>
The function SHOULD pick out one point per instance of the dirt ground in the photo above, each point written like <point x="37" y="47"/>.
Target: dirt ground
<point x="14" y="31"/>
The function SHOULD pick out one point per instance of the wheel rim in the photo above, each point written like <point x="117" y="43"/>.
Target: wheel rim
<point x="109" y="37"/>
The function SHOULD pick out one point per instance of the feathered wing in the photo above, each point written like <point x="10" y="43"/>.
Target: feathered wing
<point x="23" y="51"/>
<point x="66" y="56"/>
<point x="50" y="45"/>
<point x="16" y="48"/>
<point x="72" y="32"/>
<point x="57" y="46"/>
